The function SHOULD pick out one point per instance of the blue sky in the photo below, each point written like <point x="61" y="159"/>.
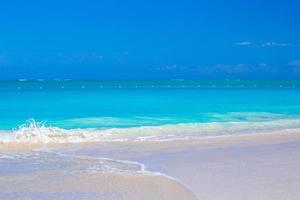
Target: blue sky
<point x="133" y="39"/>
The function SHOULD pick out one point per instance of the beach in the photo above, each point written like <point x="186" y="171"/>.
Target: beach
<point x="149" y="100"/>
<point x="135" y="139"/>
<point x="256" y="166"/>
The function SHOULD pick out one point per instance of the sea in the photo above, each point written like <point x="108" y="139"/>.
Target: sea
<point x="75" y="111"/>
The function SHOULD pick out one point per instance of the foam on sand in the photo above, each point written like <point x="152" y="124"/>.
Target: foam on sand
<point x="40" y="173"/>
<point x="210" y="168"/>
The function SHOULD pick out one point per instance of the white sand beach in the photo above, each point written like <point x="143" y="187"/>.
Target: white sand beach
<point x="262" y="167"/>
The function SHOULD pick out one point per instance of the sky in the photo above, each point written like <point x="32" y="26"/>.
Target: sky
<point x="157" y="39"/>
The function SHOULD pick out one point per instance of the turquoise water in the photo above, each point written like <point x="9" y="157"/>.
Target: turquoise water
<point x="121" y="109"/>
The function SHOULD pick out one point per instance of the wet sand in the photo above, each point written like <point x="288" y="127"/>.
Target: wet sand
<point x="65" y="185"/>
<point x="261" y="167"/>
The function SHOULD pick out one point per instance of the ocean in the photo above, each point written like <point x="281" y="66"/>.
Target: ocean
<point x="63" y="111"/>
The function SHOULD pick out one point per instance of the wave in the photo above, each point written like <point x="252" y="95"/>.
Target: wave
<point x="139" y="121"/>
<point x="114" y="122"/>
<point x="38" y="132"/>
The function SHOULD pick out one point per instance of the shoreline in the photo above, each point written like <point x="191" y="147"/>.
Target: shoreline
<point x="246" y="139"/>
<point x="209" y="168"/>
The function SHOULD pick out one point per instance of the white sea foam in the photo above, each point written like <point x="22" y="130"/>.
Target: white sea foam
<point x="41" y="160"/>
<point x="36" y="132"/>
<point x="47" y="160"/>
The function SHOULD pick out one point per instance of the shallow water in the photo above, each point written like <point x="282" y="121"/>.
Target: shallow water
<point x="124" y="121"/>
<point x="79" y="111"/>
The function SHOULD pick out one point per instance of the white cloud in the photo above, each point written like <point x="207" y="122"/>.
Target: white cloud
<point x="275" y="44"/>
<point x="236" y="68"/>
<point x="169" y="68"/>
<point x="295" y="63"/>
<point x="91" y="56"/>
<point x="263" y="65"/>
<point x="244" y="43"/>
<point x="267" y="44"/>
<point x="166" y="68"/>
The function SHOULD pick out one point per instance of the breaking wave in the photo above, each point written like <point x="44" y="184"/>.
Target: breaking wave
<point x="38" y="132"/>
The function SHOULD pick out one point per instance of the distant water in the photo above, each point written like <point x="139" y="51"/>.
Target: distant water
<point x="77" y="111"/>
